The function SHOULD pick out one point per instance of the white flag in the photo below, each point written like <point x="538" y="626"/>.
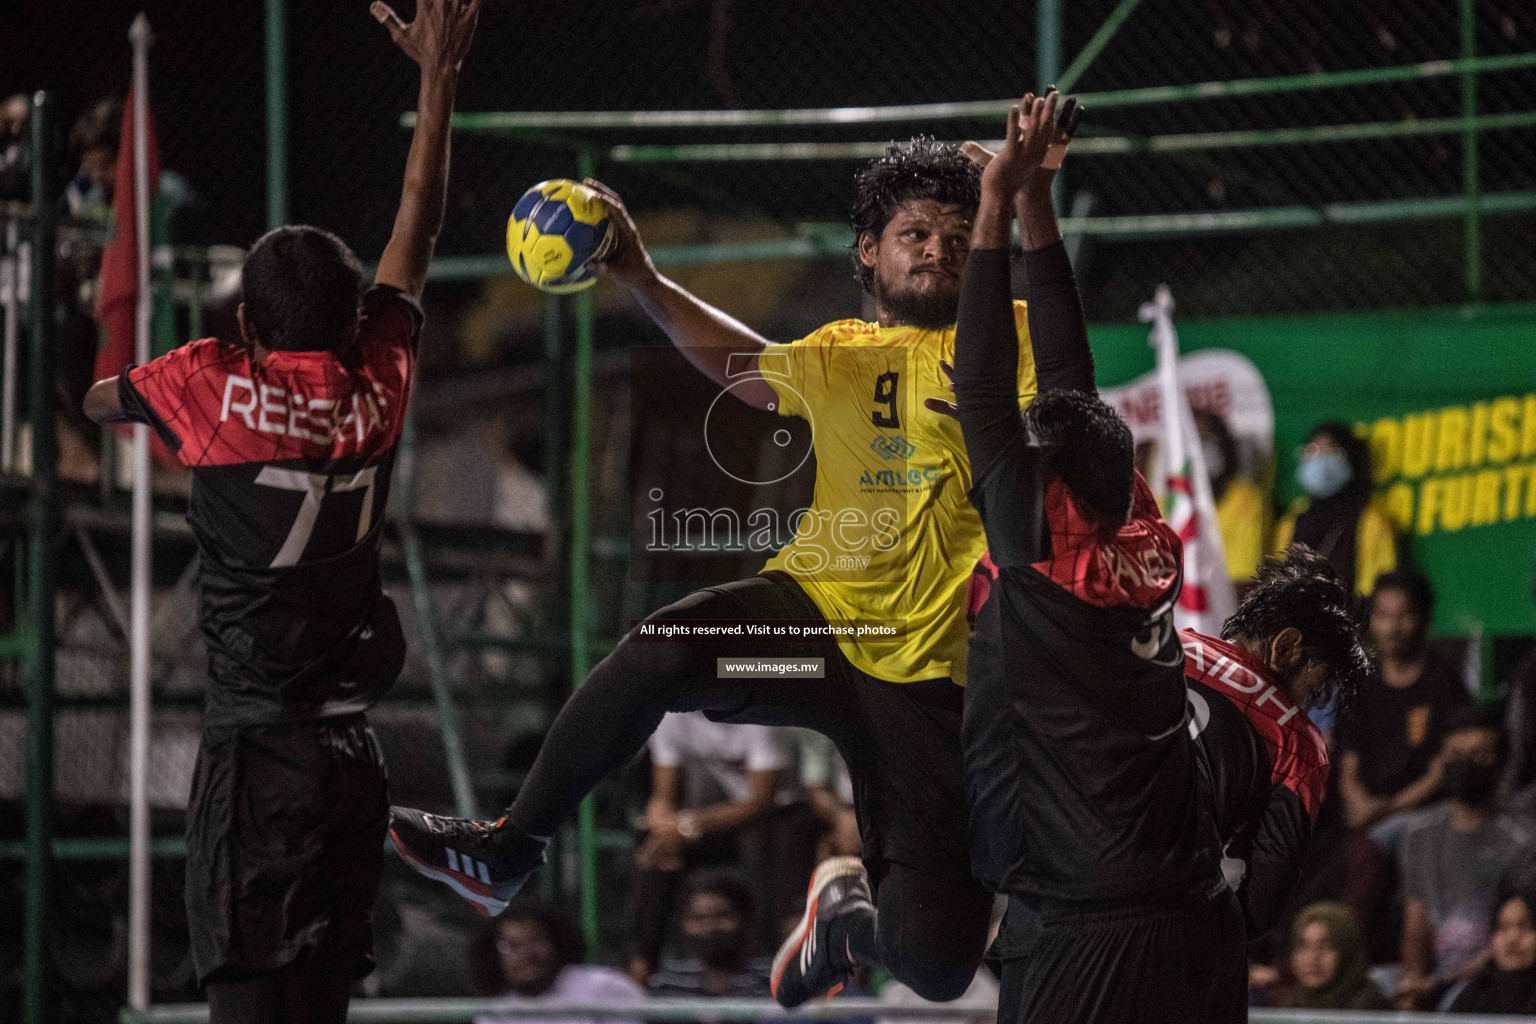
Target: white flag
<point x="1208" y="597"/>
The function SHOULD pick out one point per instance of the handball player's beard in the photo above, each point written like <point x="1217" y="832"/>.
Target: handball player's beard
<point x="931" y="303"/>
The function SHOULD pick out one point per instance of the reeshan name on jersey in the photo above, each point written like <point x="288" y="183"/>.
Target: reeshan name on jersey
<point x="291" y="460"/>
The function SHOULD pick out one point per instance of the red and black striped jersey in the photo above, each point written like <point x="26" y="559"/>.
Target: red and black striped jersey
<point x="291" y="459"/>
<point x="1268" y="765"/>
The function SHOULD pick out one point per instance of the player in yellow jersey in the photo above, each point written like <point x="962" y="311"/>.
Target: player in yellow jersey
<point x="890" y="538"/>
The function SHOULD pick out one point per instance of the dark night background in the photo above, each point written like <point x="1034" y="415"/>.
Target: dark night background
<point x="348" y="86"/>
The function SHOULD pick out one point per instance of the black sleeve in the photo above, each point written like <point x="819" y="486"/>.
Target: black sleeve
<point x="138" y="410"/>
<point x="1274" y="862"/>
<point x="1005" y="467"/>
<point x="987" y="360"/>
<point x="1057" y="332"/>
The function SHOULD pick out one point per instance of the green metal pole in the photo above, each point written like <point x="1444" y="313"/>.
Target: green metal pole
<point x="1047" y="43"/>
<point x="40" y="680"/>
<point x="1048" y="66"/>
<point x="581" y="540"/>
<point x="1471" y="185"/>
<point x="555" y="490"/>
<point x="199" y="269"/>
<point x="1068" y="78"/>
<point x="277" y="116"/>
<point x="426" y="625"/>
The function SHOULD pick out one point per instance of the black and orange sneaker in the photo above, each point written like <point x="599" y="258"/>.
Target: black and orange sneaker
<point x="484" y="862"/>
<point x="806" y="965"/>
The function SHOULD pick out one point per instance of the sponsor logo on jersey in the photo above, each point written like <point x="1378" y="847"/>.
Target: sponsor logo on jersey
<point x="927" y="476"/>
<point x="892" y="446"/>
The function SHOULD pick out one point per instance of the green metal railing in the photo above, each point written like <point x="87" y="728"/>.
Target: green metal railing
<point x="527" y="123"/>
<point x="1103" y="145"/>
<point x="454" y="1011"/>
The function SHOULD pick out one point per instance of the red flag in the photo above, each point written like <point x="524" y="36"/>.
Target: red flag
<point x="118" y="295"/>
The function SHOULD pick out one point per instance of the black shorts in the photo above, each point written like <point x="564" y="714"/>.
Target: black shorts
<point x="285" y="844"/>
<point x="1177" y="960"/>
<point x="901" y="741"/>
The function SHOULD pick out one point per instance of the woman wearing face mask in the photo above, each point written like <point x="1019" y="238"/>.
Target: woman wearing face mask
<point x="1329" y="963"/>
<point x="1337" y="517"/>
<point x="531" y="954"/>
<point x="1507" y="983"/>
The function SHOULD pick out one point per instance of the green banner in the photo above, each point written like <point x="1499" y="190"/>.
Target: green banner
<point x="1447" y="398"/>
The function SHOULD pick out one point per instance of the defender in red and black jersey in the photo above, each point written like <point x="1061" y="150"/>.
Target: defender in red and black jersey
<point x="1269" y="767"/>
<point x="291" y="456"/>
<point x="1090" y="804"/>
<point x="1292" y="644"/>
<point x="291" y="434"/>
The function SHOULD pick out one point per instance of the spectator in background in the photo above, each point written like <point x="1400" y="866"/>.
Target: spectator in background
<point x="1390" y="736"/>
<point x="715" y="922"/>
<point x="1453" y="859"/>
<point x="93" y="143"/>
<point x="1337" y="517"/>
<point x="1242" y="510"/>
<point x="750" y="767"/>
<point x="1507" y="982"/>
<point x="531" y="954"/>
<point x="15" y="149"/>
<point x="1328" y="961"/>
<point x="1389" y="740"/>
<point x="829" y="791"/>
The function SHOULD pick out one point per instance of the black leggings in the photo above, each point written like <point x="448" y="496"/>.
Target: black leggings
<point x="313" y="989"/>
<point x="901" y="743"/>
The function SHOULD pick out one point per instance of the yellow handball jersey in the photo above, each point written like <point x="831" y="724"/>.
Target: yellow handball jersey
<point x="887" y="546"/>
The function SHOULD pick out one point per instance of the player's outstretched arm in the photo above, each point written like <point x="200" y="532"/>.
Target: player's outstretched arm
<point x="1057" y="330"/>
<point x="706" y="336"/>
<point x="437" y="40"/>
<point x="986" y="339"/>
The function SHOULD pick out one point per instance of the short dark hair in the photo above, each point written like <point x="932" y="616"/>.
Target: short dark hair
<point x="1480" y="718"/>
<point x="920" y="168"/>
<point x="300" y="286"/>
<point x="732" y="890"/>
<point x="485" y="966"/>
<point x="1089" y="446"/>
<point x="1304" y="590"/>
<point x="1415" y="585"/>
<point x="99" y="126"/>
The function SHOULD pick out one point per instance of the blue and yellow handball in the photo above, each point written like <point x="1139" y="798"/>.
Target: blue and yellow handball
<point x="558" y="230"/>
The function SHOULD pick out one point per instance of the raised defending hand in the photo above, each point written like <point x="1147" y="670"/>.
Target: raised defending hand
<point x="1066" y="122"/>
<point x="439" y="37"/>
<point x="629" y="263"/>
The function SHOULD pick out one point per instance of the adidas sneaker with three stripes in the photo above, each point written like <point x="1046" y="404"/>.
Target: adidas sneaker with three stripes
<point x="806" y="965"/>
<point x="484" y="862"/>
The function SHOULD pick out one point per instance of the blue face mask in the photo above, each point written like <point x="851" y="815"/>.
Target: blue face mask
<point x="1323" y="476"/>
